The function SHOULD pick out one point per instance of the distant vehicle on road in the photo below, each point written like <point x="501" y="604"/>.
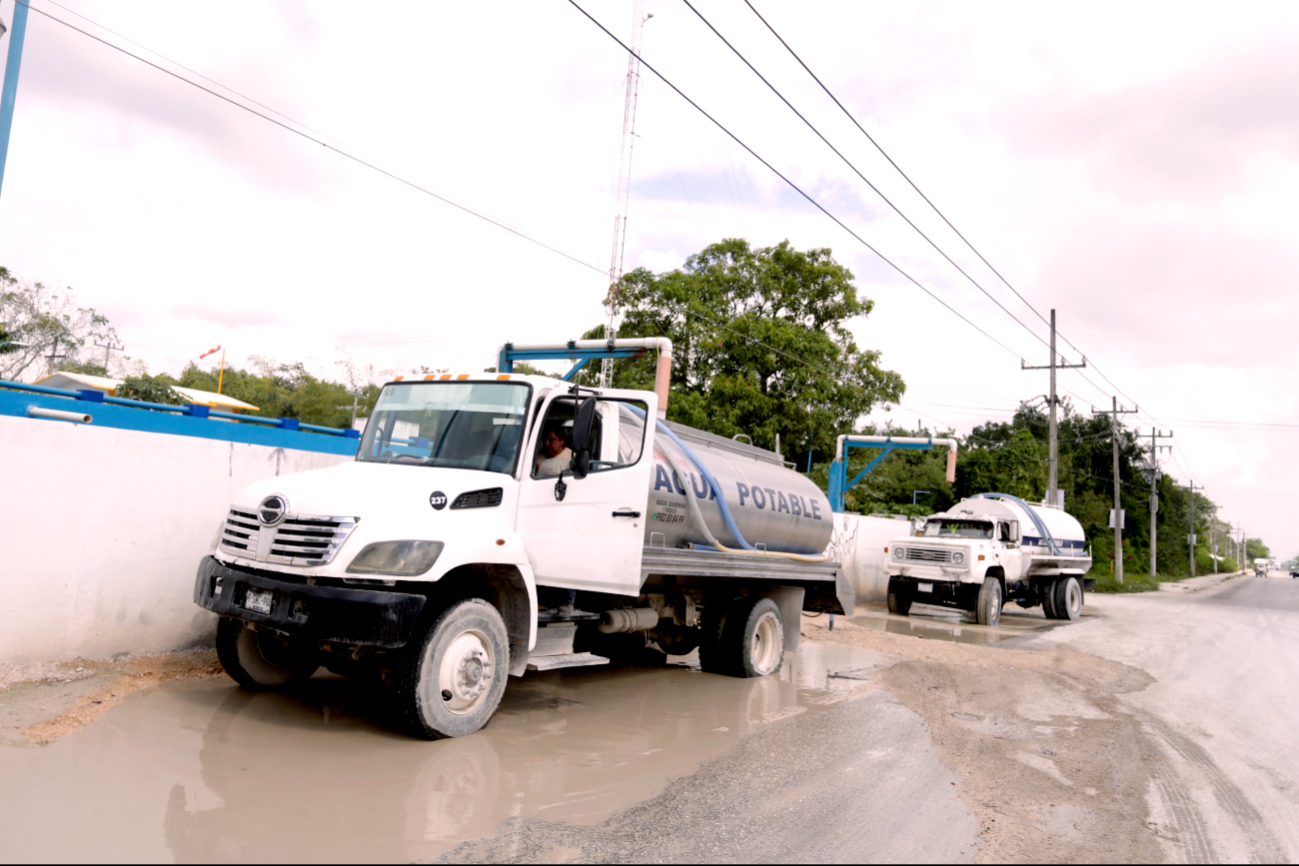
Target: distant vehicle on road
<point x="1294" y="571"/>
<point x="1260" y="567"/>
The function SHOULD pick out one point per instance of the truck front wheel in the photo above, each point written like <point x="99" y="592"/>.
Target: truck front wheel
<point x="988" y="611"/>
<point x="453" y="674"/>
<point x="259" y="659"/>
<point x="899" y="599"/>
<point x="750" y="640"/>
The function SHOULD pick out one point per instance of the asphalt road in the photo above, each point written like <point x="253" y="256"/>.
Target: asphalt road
<point x="1278" y="591"/>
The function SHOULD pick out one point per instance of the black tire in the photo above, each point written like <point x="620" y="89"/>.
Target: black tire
<point x="899" y="599"/>
<point x="452" y="675"/>
<point x="1068" y="598"/>
<point x="260" y="659"/>
<point x="988" y="611"/>
<point x="750" y="640"/>
<point x="1047" y="588"/>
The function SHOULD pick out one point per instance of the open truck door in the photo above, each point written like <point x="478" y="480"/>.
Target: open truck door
<point x="582" y="514"/>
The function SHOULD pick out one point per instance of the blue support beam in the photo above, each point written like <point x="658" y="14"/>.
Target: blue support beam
<point x="509" y="355"/>
<point x="10" y="91"/>
<point x="839" y="483"/>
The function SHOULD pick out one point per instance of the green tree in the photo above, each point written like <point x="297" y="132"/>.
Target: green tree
<point x="1256" y="549"/>
<point x="150" y="389"/>
<point x="52" y="328"/>
<point x="760" y="344"/>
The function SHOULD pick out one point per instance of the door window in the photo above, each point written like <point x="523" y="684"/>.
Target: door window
<point x="617" y="436"/>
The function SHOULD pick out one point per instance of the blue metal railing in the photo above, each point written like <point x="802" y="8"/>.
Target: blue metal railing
<point x="193" y="410"/>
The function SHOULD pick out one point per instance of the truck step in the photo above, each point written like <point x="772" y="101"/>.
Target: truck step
<point x="567" y="660"/>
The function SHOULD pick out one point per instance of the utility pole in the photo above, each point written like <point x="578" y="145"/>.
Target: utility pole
<point x="54" y="356"/>
<point x="1053" y="454"/>
<point x="1118" y="503"/>
<point x="1155" y="436"/>
<point x="9" y="93"/>
<point x="109" y="347"/>
<point x="1191" y="538"/>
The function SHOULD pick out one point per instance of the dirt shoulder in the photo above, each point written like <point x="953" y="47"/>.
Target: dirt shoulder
<point x="42" y="702"/>
<point x="1049" y="760"/>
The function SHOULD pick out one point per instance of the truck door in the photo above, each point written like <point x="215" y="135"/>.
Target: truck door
<point x="592" y="538"/>
<point x="1008" y="553"/>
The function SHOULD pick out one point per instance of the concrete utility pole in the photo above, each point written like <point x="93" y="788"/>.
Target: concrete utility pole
<point x="109" y="347"/>
<point x="1191" y="538"/>
<point x="1053" y="454"/>
<point x="1114" y="413"/>
<point x="1155" y="436"/>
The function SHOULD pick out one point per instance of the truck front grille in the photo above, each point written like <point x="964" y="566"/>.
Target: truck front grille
<point x="924" y="554"/>
<point x="299" y="539"/>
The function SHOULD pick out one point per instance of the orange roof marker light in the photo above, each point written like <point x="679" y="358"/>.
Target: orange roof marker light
<point x="445" y="376"/>
<point x="503" y="376"/>
<point x="463" y="376"/>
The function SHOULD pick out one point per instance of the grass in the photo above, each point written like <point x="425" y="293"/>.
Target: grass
<point x="1132" y="582"/>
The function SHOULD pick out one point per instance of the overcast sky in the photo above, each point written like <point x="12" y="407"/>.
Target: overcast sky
<point x="1134" y="166"/>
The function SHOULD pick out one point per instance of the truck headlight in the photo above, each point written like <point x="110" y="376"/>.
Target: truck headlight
<point x="404" y="558"/>
<point x="958" y="558"/>
<point x="898" y="551"/>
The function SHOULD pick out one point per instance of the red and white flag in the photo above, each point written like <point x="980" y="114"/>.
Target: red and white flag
<point x="212" y="351"/>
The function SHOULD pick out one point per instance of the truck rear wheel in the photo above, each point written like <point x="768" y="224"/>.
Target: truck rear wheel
<point x="259" y="659"/>
<point x="988" y="611"/>
<point x="750" y="640"/>
<point x="899" y="599"/>
<point x="453" y="675"/>
<point x="1068" y="598"/>
<point x="1048" y="590"/>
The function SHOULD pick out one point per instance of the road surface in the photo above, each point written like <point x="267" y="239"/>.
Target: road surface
<point x="1159" y="727"/>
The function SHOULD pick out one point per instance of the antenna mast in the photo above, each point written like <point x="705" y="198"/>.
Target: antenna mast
<point x="623" y="192"/>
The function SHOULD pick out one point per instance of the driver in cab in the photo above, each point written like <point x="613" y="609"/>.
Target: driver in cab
<point x="554" y="456"/>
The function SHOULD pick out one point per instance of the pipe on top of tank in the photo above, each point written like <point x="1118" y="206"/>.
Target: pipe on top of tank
<point x="618" y="347"/>
<point x="900" y="440"/>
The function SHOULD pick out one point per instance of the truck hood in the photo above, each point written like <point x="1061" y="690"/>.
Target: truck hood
<point x="369" y="489"/>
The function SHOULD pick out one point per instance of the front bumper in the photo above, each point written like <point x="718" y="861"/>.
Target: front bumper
<point x="328" y="613"/>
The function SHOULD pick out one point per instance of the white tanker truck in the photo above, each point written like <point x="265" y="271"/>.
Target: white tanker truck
<point x="426" y="563"/>
<point x="988" y="550"/>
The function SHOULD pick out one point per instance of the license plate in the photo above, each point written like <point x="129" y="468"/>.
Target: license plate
<point x="924" y="587"/>
<point x="258" y="600"/>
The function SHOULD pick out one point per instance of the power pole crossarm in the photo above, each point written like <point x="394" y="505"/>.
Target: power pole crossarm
<point x="1053" y="451"/>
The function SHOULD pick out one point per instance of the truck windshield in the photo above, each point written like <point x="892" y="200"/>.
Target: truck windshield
<point x="958" y="529"/>
<point x="459" y="425"/>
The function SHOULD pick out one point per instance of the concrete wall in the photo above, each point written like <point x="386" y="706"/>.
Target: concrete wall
<point x="103" y="526"/>
<point x="859" y="544"/>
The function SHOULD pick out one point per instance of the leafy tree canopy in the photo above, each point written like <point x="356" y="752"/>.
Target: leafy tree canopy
<point x="760" y="344"/>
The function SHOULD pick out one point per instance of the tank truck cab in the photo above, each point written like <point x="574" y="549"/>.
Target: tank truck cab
<point x="432" y="562"/>
<point x="986" y="551"/>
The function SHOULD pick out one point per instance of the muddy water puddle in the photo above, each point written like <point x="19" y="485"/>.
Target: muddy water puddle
<point x="206" y="771"/>
<point x="947" y="625"/>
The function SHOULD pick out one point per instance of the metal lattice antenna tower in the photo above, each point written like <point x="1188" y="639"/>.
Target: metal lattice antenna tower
<point x="623" y="191"/>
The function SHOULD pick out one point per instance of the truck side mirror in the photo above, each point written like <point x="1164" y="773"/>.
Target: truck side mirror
<point x="1014" y="531"/>
<point x="583" y="422"/>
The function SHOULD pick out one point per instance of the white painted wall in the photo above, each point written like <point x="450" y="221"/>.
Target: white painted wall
<point x="102" y="530"/>
<point x="859" y="544"/>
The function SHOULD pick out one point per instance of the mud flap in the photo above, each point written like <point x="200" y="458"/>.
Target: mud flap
<point x="790" y="601"/>
<point x="845" y="593"/>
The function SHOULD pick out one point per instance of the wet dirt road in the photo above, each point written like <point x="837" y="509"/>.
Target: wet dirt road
<point x="590" y="764"/>
<point x="1158" y="728"/>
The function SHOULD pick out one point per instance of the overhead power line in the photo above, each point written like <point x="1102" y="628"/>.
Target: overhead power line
<point x="863" y="177"/>
<point x="314" y="140"/>
<point x="816" y="204"/>
<point x="929" y="201"/>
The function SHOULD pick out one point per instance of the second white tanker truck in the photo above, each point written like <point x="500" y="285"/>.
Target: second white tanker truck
<point x="988" y="550"/>
<point x="480" y="507"/>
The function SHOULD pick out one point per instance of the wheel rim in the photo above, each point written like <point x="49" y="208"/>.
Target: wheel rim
<point x="994" y="603"/>
<point x="466" y="673"/>
<point x="1073" y="599"/>
<point x="766" y="647"/>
